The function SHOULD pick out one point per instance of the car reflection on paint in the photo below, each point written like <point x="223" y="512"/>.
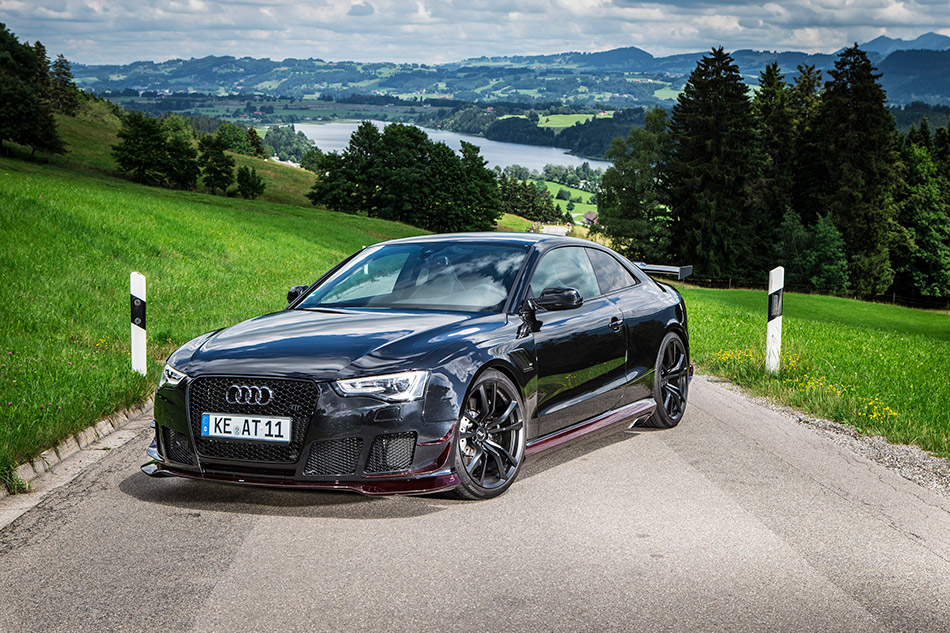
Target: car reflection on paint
<point x="425" y="364"/>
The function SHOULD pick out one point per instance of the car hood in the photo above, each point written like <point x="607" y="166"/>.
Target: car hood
<point x="323" y="345"/>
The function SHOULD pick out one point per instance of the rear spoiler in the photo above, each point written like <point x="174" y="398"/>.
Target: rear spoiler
<point x="681" y="272"/>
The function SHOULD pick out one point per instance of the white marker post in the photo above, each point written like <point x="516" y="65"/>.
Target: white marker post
<point x="137" y="282"/>
<point x="773" y="335"/>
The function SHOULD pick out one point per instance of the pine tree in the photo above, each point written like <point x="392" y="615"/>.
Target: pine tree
<point x="859" y="146"/>
<point x="249" y="183"/>
<point x="711" y="170"/>
<point x="255" y="143"/>
<point x="43" y="79"/>
<point x="776" y="136"/>
<point x="631" y="210"/>
<point x="65" y="96"/>
<point x="807" y="173"/>
<point x="217" y="168"/>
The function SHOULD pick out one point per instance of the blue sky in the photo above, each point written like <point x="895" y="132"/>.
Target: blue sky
<point x="434" y="31"/>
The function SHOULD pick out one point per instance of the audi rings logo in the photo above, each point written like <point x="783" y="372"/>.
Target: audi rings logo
<point x="242" y="394"/>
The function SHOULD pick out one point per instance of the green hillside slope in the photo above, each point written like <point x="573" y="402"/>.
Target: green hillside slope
<point x="68" y="241"/>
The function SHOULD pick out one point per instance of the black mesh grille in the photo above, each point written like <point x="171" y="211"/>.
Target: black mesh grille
<point x="295" y="399"/>
<point x="334" y="457"/>
<point x="391" y="452"/>
<point x="176" y="446"/>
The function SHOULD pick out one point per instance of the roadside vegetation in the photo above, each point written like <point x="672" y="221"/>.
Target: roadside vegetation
<point x="876" y="367"/>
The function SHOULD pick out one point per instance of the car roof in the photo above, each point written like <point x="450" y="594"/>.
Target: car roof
<point x="518" y="239"/>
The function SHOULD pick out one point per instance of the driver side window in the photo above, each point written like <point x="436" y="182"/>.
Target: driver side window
<point x="567" y="267"/>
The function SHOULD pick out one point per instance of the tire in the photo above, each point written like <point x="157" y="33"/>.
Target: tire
<point x="489" y="438"/>
<point x="670" y="383"/>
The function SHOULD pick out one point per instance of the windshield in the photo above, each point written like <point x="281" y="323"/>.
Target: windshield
<point x="469" y="277"/>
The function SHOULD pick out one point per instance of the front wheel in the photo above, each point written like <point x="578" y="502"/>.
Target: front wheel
<point x="670" y="383"/>
<point x="490" y="438"/>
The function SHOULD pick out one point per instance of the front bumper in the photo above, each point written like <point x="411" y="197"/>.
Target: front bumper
<point x="350" y="443"/>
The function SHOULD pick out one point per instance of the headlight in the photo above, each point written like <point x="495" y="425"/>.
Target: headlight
<point x="401" y="387"/>
<point x="170" y="376"/>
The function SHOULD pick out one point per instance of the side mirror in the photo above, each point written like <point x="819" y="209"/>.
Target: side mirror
<point x="295" y="292"/>
<point x="559" y="298"/>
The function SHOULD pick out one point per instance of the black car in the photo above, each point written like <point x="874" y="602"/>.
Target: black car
<point x="425" y="364"/>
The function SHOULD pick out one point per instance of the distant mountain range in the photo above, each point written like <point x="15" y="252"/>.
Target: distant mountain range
<point x="914" y="70"/>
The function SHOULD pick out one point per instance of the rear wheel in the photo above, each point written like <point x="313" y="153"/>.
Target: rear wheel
<point x="490" y="438"/>
<point x="670" y="383"/>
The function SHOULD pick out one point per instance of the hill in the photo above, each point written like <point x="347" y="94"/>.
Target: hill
<point x="619" y="77"/>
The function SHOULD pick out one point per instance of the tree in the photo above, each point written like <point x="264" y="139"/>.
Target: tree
<point x="399" y="174"/>
<point x="25" y="117"/>
<point x="249" y="184"/>
<point x="922" y="260"/>
<point x="217" y="168"/>
<point x="776" y="136"/>
<point x="234" y="139"/>
<point x="826" y="261"/>
<point x="804" y="102"/>
<point x="630" y="206"/>
<point x="141" y="150"/>
<point x="255" y="143"/>
<point x="311" y="159"/>
<point x="181" y="158"/>
<point x="65" y="95"/>
<point x="711" y="170"/>
<point x="859" y="158"/>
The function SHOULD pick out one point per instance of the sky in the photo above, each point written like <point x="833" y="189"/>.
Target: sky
<point x="436" y="31"/>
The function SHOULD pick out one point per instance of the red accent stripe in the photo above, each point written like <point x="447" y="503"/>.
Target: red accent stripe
<point x="638" y="409"/>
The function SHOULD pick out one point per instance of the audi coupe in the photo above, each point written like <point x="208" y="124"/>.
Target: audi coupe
<point x="426" y="364"/>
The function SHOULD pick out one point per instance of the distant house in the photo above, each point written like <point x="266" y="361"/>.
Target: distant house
<point x="589" y="218"/>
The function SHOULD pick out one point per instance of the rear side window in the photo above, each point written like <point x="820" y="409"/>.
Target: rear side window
<point x="565" y="267"/>
<point x="611" y="274"/>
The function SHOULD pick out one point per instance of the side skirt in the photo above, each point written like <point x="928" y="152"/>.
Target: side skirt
<point x="635" y="412"/>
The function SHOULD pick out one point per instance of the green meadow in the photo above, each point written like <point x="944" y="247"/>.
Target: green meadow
<point x="879" y="368"/>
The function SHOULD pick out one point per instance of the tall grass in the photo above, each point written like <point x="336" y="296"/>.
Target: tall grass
<point x="68" y="242"/>
<point x="882" y="369"/>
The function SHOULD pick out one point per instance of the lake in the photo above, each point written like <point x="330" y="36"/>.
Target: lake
<point x="334" y="137"/>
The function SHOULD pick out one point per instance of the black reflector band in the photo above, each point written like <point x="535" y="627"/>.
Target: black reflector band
<point x="138" y="312"/>
<point x="775" y="304"/>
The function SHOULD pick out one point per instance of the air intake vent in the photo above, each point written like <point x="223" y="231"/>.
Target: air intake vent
<point x="176" y="446"/>
<point x="391" y="452"/>
<point x="334" y="457"/>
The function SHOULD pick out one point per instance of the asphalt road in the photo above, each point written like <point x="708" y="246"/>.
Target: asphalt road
<point x="740" y="519"/>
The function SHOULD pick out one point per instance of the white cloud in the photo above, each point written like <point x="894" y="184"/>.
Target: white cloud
<point x="432" y="31"/>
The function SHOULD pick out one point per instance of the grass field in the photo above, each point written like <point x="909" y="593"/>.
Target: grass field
<point x="513" y="223"/>
<point x="877" y="367"/>
<point x="68" y="242"/>
<point x="580" y="208"/>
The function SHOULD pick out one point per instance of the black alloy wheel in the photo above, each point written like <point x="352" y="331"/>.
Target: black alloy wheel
<point x="490" y="438"/>
<point x="670" y="383"/>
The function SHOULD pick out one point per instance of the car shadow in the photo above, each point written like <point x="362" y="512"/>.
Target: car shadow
<point x="189" y="494"/>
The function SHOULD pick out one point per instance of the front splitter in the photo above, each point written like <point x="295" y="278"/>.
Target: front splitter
<point x="421" y="485"/>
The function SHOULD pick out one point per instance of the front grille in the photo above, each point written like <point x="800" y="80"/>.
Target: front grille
<point x="391" y="452"/>
<point x="176" y="446"/>
<point x="295" y="399"/>
<point x="334" y="457"/>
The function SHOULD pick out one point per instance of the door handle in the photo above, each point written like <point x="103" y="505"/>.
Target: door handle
<point x="616" y="323"/>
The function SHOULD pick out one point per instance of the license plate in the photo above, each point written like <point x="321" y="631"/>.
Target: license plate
<point x="245" y="427"/>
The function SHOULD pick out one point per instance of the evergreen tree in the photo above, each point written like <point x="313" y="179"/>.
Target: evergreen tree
<point x="141" y="150"/>
<point x="807" y="173"/>
<point x="711" y="170"/>
<point x="249" y="183"/>
<point x="826" y="261"/>
<point x="922" y="261"/>
<point x="631" y="210"/>
<point x="777" y="137"/>
<point x="255" y="143"/>
<point x="65" y="96"/>
<point x="859" y="143"/>
<point x="43" y="79"/>
<point x="217" y="168"/>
